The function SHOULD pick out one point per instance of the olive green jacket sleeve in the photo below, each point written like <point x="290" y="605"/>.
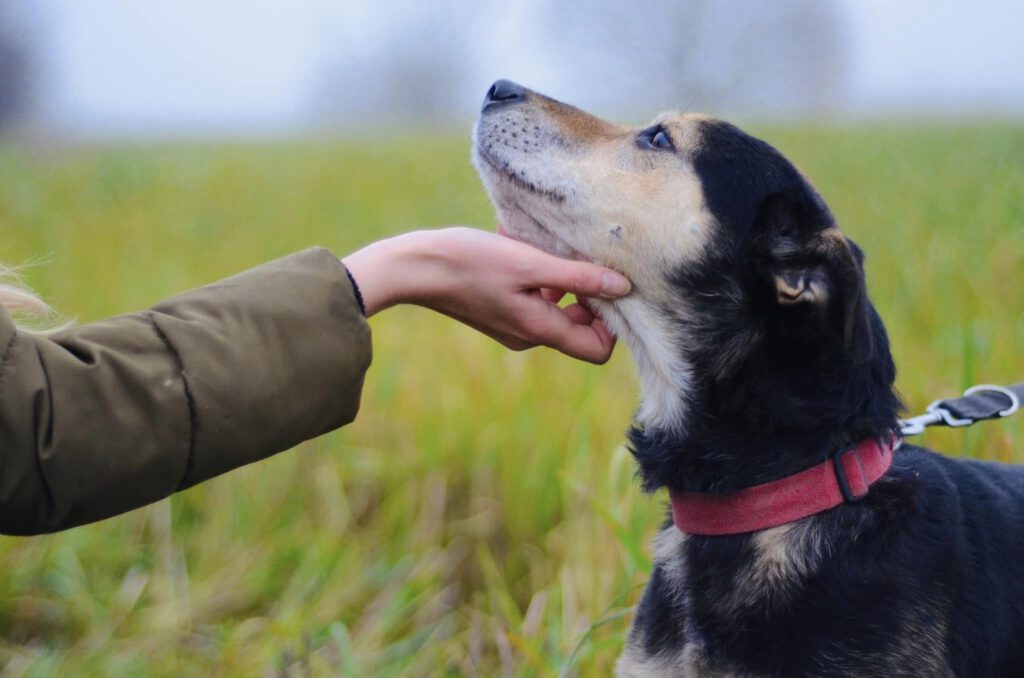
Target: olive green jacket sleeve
<point x="108" y="416"/>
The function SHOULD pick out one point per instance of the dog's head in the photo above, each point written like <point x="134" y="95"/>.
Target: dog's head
<point x="733" y="255"/>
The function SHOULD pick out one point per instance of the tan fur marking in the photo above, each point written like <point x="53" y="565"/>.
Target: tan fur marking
<point x="579" y="124"/>
<point x="640" y="212"/>
<point x="790" y="291"/>
<point x="832" y="242"/>
<point x="798" y="288"/>
<point x="833" y="238"/>
<point x="783" y="557"/>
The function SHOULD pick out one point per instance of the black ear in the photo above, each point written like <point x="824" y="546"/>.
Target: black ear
<point x="814" y="273"/>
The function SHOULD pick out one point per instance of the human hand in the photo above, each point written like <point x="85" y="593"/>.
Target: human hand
<point x="503" y="288"/>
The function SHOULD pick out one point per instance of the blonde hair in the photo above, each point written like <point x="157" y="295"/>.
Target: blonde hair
<point x="20" y="301"/>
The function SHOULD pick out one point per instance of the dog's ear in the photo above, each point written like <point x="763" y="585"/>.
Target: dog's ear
<point x="814" y="273"/>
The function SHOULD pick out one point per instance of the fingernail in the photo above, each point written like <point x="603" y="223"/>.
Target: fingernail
<point x="614" y="285"/>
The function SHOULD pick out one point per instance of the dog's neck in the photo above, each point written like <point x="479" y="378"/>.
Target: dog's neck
<point x="666" y="378"/>
<point x="779" y="412"/>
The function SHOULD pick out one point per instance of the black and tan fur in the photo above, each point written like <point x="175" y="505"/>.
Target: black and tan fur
<point x="760" y="354"/>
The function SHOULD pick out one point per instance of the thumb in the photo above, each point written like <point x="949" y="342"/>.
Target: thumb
<point x="581" y="278"/>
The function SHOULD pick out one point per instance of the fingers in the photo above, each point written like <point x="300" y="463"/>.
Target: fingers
<point x="582" y="315"/>
<point x="592" y="343"/>
<point x="580" y="278"/>
<point x="576" y="332"/>
<point x="507" y="340"/>
<point x="553" y="296"/>
<point x="548" y="271"/>
<point x="510" y="291"/>
<point x="572" y="330"/>
<point x="579" y="314"/>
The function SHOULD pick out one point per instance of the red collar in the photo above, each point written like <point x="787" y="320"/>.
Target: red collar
<point x="845" y="477"/>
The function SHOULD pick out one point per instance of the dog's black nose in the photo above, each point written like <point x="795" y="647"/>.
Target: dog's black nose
<point x="504" y="92"/>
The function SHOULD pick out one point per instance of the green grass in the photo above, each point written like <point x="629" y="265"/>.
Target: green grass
<point x="481" y="516"/>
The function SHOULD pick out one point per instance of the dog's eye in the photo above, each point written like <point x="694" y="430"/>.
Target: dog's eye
<point x="657" y="139"/>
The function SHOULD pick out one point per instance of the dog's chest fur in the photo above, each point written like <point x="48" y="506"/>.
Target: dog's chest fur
<point x="740" y="606"/>
<point x="774" y="564"/>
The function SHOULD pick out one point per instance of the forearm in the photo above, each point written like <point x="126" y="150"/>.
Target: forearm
<point x="108" y="416"/>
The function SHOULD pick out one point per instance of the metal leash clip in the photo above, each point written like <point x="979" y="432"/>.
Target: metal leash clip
<point x="937" y="414"/>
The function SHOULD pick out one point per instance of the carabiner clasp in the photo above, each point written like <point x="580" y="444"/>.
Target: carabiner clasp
<point x="916" y="425"/>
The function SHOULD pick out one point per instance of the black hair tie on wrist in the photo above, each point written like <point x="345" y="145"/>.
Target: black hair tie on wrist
<point x="355" y="288"/>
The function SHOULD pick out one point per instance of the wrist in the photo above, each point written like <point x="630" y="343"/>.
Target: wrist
<point x="402" y="269"/>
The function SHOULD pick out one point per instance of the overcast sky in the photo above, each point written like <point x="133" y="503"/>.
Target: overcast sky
<point x="256" y="66"/>
<point x="940" y="54"/>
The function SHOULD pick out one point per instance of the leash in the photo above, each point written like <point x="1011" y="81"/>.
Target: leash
<point x="978" y="403"/>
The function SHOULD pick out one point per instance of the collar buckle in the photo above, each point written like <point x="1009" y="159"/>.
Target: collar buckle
<point x="846" y="487"/>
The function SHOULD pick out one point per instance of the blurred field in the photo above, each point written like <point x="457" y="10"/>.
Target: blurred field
<point x="481" y="516"/>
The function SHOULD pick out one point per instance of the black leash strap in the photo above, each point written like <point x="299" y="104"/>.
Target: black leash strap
<point x="985" y="401"/>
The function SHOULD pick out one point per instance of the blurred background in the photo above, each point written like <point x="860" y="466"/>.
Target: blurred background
<point x="481" y="517"/>
<point x="109" y="68"/>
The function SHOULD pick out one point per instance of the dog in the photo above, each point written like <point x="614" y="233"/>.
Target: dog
<point x="761" y="360"/>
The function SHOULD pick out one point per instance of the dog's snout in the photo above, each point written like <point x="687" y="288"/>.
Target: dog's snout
<point x="503" y="92"/>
